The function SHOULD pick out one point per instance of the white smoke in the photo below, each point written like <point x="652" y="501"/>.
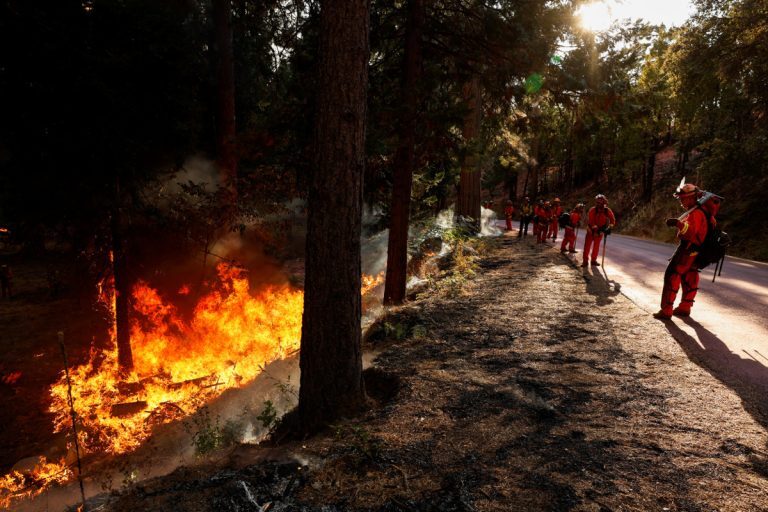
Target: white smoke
<point x="488" y="225"/>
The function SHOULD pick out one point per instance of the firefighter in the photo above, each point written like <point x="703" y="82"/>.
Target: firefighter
<point x="553" y="225"/>
<point x="682" y="269"/>
<point x="600" y="220"/>
<point x="526" y="214"/>
<point x="544" y="220"/>
<point x="539" y="207"/>
<point x="569" y="232"/>
<point x="6" y="277"/>
<point x="509" y="210"/>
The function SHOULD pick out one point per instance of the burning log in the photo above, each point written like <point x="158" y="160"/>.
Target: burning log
<point x="127" y="408"/>
<point x="200" y="381"/>
<point x="129" y="388"/>
<point x="165" y="412"/>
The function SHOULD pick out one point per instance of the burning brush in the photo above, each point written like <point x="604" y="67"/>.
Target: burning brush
<point x="179" y="365"/>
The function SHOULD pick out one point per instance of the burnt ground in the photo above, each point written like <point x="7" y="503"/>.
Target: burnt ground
<point x="538" y="387"/>
<point x="31" y="360"/>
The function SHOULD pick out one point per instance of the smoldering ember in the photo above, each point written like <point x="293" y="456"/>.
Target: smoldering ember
<point x="368" y="256"/>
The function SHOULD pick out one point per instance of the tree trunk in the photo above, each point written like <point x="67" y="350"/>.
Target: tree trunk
<point x="469" y="181"/>
<point x="523" y="190"/>
<point x="122" y="286"/>
<point x="225" y="100"/>
<point x="397" y="250"/>
<point x="331" y="364"/>
<point x="650" y="170"/>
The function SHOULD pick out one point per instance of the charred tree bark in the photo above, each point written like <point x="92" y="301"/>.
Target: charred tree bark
<point x="469" y="181"/>
<point x="331" y="365"/>
<point x="225" y="100"/>
<point x="122" y="286"/>
<point x="397" y="250"/>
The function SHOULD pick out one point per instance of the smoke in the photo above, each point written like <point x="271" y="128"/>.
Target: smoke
<point x="374" y="253"/>
<point x="488" y="225"/>
<point x="246" y="249"/>
<point x="196" y="169"/>
<point x="445" y="219"/>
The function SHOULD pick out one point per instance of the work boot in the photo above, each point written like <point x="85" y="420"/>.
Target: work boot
<point x="662" y="315"/>
<point x="584" y="264"/>
<point x="595" y="264"/>
<point x="563" y="251"/>
<point x="681" y="311"/>
<point x="572" y="251"/>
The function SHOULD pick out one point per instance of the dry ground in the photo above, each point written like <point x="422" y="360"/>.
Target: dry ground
<point x="540" y="387"/>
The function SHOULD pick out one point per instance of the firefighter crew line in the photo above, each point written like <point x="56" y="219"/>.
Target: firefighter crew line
<point x="701" y="242"/>
<point x="547" y="217"/>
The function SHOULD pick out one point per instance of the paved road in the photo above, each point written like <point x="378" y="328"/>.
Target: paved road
<point x="728" y="329"/>
<point x="729" y="322"/>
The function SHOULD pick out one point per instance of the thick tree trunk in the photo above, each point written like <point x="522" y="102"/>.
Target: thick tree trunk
<point x="397" y="250"/>
<point x="122" y="286"/>
<point x="225" y="99"/>
<point x="331" y="365"/>
<point x="469" y="181"/>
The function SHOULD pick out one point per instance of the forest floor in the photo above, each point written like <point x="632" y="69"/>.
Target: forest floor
<point x="536" y="386"/>
<point x="31" y="355"/>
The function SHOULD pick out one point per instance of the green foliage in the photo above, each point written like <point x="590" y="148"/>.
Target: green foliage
<point x="419" y="331"/>
<point x="395" y="330"/>
<point x="208" y="435"/>
<point x="268" y="415"/>
<point x="359" y="440"/>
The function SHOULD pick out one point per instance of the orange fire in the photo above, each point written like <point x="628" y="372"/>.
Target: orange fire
<point x="368" y="283"/>
<point x="179" y="363"/>
<point x="22" y="485"/>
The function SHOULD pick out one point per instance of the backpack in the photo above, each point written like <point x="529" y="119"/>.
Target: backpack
<point x="713" y="248"/>
<point x="564" y="220"/>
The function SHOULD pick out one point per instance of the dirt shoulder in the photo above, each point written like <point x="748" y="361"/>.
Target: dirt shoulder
<point x="538" y="388"/>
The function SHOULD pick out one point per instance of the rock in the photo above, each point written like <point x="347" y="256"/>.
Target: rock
<point x="26" y="465"/>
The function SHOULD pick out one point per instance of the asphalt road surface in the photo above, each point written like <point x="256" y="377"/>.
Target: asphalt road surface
<point x="728" y="329"/>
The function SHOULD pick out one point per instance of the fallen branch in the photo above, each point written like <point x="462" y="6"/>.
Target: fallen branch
<point x="405" y="477"/>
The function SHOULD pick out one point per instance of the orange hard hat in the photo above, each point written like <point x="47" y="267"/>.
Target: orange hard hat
<point x="686" y="190"/>
<point x="601" y="199"/>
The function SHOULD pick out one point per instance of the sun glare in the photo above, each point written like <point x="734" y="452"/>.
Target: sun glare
<point x="595" y="17"/>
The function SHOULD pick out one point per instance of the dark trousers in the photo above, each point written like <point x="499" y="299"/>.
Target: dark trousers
<point x="525" y="220"/>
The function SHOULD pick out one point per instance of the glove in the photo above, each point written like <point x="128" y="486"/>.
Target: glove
<point x="606" y="230"/>
<point x="672" y="222"/>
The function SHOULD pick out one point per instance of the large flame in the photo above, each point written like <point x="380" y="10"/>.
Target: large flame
<point x="179" y="364"/>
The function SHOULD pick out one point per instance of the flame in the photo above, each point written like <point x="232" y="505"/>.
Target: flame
<point x="368" y="282"/>
<point x="178" y="364"/>
<point x="18" y="485"/>
<point x="11" y="378"/>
